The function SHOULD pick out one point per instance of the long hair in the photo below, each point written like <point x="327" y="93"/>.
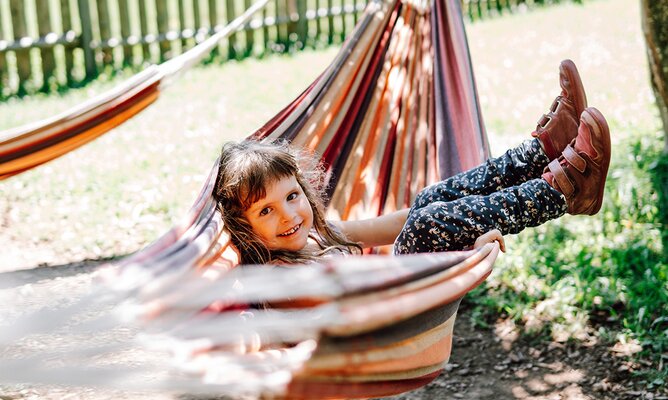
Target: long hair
<point x="244" y="172"/>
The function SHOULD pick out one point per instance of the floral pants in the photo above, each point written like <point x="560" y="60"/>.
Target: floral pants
<point x="504" y="193"/>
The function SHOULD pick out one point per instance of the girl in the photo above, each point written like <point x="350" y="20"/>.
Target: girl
<point x="270" y="195"/>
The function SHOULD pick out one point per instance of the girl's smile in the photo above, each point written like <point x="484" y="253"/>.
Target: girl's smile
<point x="283" y="218"/>
<point x="291" y="231"/>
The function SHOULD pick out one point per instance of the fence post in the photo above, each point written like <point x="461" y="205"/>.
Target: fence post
<point x="344" y="25"/>
<point x="87" y="39"/>
<point x="67" y="30"/>
<point x="44" y="28"/>
<point x="330" y="22"/>
<point x="302" y="24"/>
<point x="163" y="30"/>
<point x="355" y="12"/>
<point x="232" y="39"/>
<point x="291" y="12"/>
<point x="265" y="31"/>
<point x="143" y="24"/>
<point x="213" y="23"/>
<point x="250" y="34"/>
<point x="213" y="14"/>
<point x="4" y="76"/>
<point x="318" y="22"/>
<point x="197" y="20"/>
<point x="183" y="25"/>
<point x="282" y="32"/>
<point x="20" y="32"/>
<point x="126" y="31"/>
<point x="104" y="22"/>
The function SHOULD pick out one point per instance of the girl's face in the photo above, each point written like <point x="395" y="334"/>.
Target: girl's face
<point x="283" y="218"/>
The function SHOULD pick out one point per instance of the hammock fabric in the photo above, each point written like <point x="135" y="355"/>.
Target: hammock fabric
<point x="396" y="110"/>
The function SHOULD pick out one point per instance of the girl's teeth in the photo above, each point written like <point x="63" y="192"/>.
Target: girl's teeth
<point x="291" y="231"/>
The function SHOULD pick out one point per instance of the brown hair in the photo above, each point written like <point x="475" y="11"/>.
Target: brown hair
<point x="245" y="170"/>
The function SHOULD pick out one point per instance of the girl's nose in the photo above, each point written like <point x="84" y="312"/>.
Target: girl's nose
<point x="287" y="213"/>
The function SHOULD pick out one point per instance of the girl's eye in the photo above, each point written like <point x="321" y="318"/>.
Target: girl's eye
<point x="293" y="196"/>
<point x="264" y="211"/>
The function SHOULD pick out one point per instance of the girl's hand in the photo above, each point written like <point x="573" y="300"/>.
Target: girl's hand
<point x="492" y="236"/>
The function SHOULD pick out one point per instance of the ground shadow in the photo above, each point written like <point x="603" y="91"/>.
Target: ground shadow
<point x="11" y="279"/>
<point x="499" y="363"/>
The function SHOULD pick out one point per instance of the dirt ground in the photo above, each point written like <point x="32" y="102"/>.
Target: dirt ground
<point x="497" y="363"/>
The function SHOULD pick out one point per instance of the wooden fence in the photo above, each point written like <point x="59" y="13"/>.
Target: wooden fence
<point x="46" y="44"/>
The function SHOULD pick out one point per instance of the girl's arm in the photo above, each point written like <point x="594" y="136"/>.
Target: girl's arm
<point x="373" y="232"/>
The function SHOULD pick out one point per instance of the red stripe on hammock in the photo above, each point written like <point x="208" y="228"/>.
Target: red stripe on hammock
<point x="303" y="389"/>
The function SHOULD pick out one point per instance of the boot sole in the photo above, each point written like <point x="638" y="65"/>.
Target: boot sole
<point x="600" y="129"/>
<point x="571" y="71"/>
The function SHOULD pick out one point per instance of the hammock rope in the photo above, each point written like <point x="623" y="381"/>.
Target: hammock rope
<point x="395" y="110"/>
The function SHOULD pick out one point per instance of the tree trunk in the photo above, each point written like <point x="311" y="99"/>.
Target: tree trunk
<point x="655" y="29"/>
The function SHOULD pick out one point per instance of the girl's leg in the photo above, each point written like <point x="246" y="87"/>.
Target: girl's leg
<point x="455" y="225"/>
<point x="553" y="132"/>
<point x="515" y="166"/>
<point x="574" y="183"/>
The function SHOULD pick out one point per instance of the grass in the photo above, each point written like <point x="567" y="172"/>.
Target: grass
<point x="602" y="277"/>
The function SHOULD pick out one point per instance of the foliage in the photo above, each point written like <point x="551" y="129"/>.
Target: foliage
<point x="608" y="272"/>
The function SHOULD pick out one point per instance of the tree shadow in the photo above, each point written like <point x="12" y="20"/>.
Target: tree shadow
<point x="12" y="279"/>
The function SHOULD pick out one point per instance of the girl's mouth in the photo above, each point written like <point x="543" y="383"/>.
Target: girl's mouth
<point x="291" y="231"/>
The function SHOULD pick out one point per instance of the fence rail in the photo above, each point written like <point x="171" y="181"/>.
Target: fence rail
<point x="47" y="44"/>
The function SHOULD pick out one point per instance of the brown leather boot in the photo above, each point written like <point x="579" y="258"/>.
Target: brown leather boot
<point x="559" y="126"/>
<point x="581" y="170"/>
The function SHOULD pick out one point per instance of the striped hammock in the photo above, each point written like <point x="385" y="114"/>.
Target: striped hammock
<point x="395" y="111"/>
